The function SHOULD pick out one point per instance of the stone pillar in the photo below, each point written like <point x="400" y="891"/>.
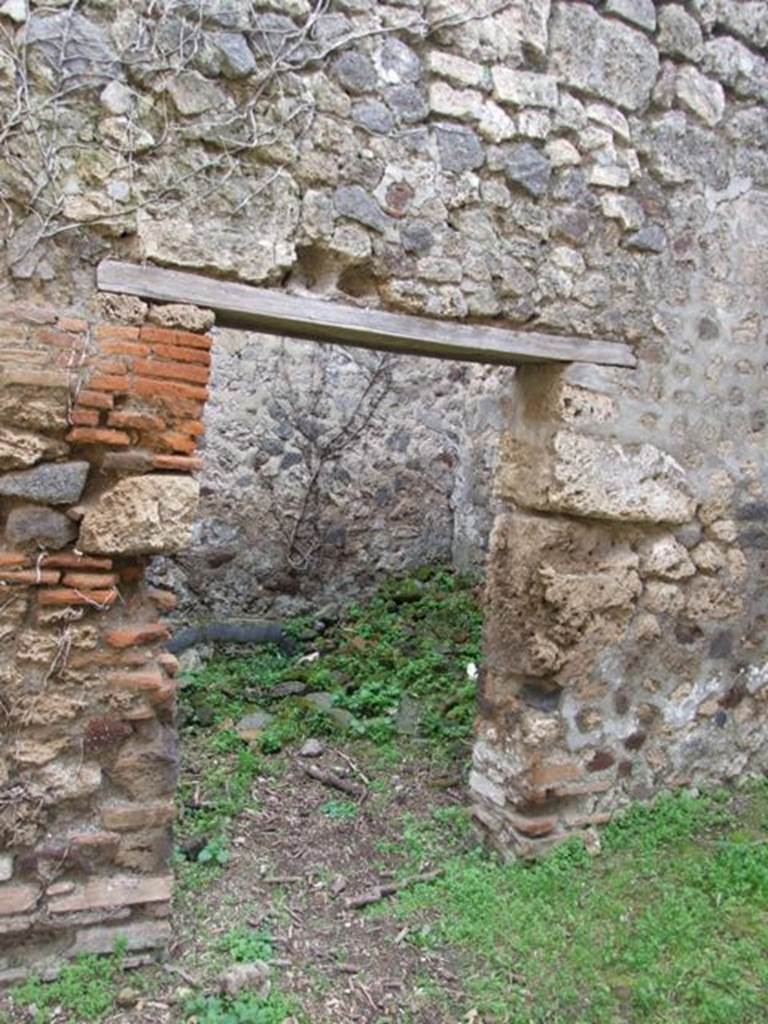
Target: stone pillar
<point x="613" y="603"/>
<point x="99" y="425"/>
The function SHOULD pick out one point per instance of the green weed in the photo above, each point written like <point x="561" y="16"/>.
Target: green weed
<point x="339" y="810"/>
<point x="244" y="945"/>
<point x="669" y="927"/>
<point x="244" y="1009"/>
<point x="85" y="989"/>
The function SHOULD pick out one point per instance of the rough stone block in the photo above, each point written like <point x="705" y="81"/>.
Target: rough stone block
<point x="602" y="57"/>
<point x="19" y="898"/>
<point x="595" y="478"/>
<point x="34" y="399"/>
<point x="135" y="936"/>
<point x="524" y="88"/>
<point x="150" y="514"/>
<point x="20" y="448"/>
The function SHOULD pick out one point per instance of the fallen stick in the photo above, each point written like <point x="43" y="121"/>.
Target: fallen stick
<point x="333" y="781"/>
<point x="381" y="892"/>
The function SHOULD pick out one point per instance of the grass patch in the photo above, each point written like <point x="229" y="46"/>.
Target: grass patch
<point x="85" y="990"/>
<point x="391" y="671"/>
<point x="670" y="926"/>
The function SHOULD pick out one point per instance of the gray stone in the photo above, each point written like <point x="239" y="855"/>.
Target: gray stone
<point x="416" y="237"/>
<point x="528" y="168"/>
<point x="679" y="33"/>
<point x="373" y="116"/>
<point x="192" y="94"/>
<point x="232" y="55"/>
<point x="325" y="703"/>
<point x="701" y="95"/>
<point x="524" y="88"/>
<point x="407" y="102"/>
<point x="252" y="726"/>
<point x="31" y="524"/>
<point x="355" y="72"/>
<point x="53" y="483"/>
<point x="639" y="12"/>
<point x="354" y="202"/>
<point x="601" y="57"/>
<point x="250" y="977"/>
<point x="746" y="19"/>
<point x="117" y="98"/>
<point x="459" y="148"/>
<point x="312" y="748"/>
<point x="650" y="238"/>
<point x="6" y="867"/>
<point x="736" y="66"/>
<point x="399" y="62"/>
<point x="78" y="48"/>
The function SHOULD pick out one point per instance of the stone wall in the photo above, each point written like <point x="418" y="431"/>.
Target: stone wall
<point x="98" y="429"/>
<point x="596" y="168"/>
<point x="327" y="469"/>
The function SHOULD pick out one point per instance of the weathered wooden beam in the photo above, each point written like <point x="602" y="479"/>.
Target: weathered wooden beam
<point x="297" y="316"/>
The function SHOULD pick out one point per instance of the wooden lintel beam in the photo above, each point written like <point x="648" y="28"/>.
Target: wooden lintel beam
<point x="298" y="316"/>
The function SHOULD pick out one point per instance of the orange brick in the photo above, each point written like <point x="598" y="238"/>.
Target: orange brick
<point x="125" y="348"/>
<point x="170" y="336"/>
<point x="135" y="421"/>
<point x="125" y="817"/>
<point x="116" y="332"/>
<point x="72" y="323"/>
<point x="183" y="355"/>
<point x="30" y="577"/>
<point x="109" y="382"/>
<point x="128" y="636"/>
<point x="11" y="558"/>
<point x="50" y="336"/>
<point x="115" y="891"/>
<point x="172" y="371"/>
<point x="151" y="681"/>
<point x="552" y="774"/>
<point x="110" y="659"/>
<point x="169" y="390"/>
<point x="96" y="399"/>
<point x="178" y="442"/>
<point x="84" y="417"/>
<point x="169" y="662"/>
<point x="65" y="596"/>
<point x="69" y="560"/>
<point x="183" y="463"/>
<point x="194" y="428"/>
<point x="90" y="580"/>
<point x="98" y="435"/>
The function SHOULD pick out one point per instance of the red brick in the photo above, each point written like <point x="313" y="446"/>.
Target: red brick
<point x="96" y="399"/>
<point x="16" y="899"/>
<point x="543" y="775"/>
<point x="72" y="323"/>
<point x="189" y="372"/>
<point x="183" y="463"/>
<point x="126" y="817"/>
<point x="183" y="355"/>
<point x="90" y="580"/>
<point x="98" y="435"/>
<point x="116" y="891"/>
<point x="135" y="421"/>
<point x="109" y="382"/>
<point x="151" y="681"/>
<point x="125" y="348"/>
<point x="65" y="596"/>
<point x="69" y="560"/>
<point x="116" y="332"/>
<point x="170" y="336"/>
<point x="11" y="558"/>
<point x="50" y="336"/>
<point x="116" y="367"/>
<point x="170" y="390"/>
<point x="532" y="826"/>
<point x="178" y="442"/>
<point x="31" y="577"/>
<point x="84" y="417"/>
<point x="129" y="636"/>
